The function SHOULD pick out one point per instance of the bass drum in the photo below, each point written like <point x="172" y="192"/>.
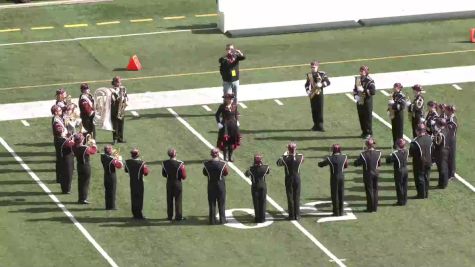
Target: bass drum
<point x="102" y="98"/>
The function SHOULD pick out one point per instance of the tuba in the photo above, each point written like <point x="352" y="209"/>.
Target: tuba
<point x="360" y="96"/>
<point x="102" y="100"/>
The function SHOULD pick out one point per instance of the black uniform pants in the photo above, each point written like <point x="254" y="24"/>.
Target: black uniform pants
<point x="316" y="103"/>
<point x="371" y="188"/>
<point x="58" y="161"/>
<point x="259" y="193"/>
<point x="442" y="158"/>
<point x="136" y="197"/>
<point x="400" y="181"/>
<point x="397" y="125"/>
<point x="451" y="158"/>
<point x="88" y="124"/>
<point x="421" y="179"/>
<point x="337" y="193"/>
<point x="292" y="189"/>
<point x="118" y="126"/>
<point x="365" y="113"/>
<point x="110" y="185"/>
<point x="67" y="163"/>
<point x="217" y="193"/>
<point x="174" y="194"/>
<point x="84" y="177"/>
<point x="415" y="120"/>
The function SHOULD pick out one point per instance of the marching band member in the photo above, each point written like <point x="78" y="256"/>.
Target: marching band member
<point x="416" y="108"/>
<point x="396" y="106"/>
<point x="431" y="117"/>
<point x="72" y="119"/>
<point x="399" y="160"/>
<point x="61" y="97"/>
<point x="110" y="163"/>
<point x="316" y="81"/>
<point x="82" y="152"/>
<point x="64" y="146"/>
<point x="216" y="169"/>
<point x="371" y="160"/>
<point x="441" y="110"/>
<point x="292" y="161"/>
<point x="227" y="117"/>
<point x="452" y="127"/>
<point x="363" y="92"/>
<point x="441" y="151"/>
<point x="136" y="168"/>
<point x="174" y="170"/>
<point x="229" y="69"/>
<point x="258" y="172"/>
<point x="421" y="153"/>
<point x="57" y="120"/>
<point x="338" y="162"/>
<point x="86" y="107"/>
<point x="118" y="104"/>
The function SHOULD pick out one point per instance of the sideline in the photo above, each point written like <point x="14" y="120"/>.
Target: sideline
<point x="271" y="201"/>
<point x="59" y="204"/>
<point x="383" y="121"/>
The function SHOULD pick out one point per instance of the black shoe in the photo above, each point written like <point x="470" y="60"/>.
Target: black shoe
<point x="170" y="219"/>
<point x="180" y="219"/>
<point x="122" y="141"/>
<point x="367" y="136"/>
<point x="84" y="202"/>
<point x="363" y="135"/>
<point x="321" y="130"/>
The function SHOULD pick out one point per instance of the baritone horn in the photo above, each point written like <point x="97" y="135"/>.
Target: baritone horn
<point x="315" y="86"/>
<point x="116" y="154"/>
<point x="360" y="95"/>
<point x="90" y="141"/>
<point x="122" y="103"/>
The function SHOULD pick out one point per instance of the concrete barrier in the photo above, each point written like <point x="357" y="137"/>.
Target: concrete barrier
<point x="258" y="17"/>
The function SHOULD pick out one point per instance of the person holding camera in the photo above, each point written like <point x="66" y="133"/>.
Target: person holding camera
<point x="229" y="69"/>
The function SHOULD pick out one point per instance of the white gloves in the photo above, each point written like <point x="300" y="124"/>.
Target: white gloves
<point x="325" y="83"/>
<point x="220" y="125"/>
<point x="120" y="158"/>
<point x="360" y="89"/>
<point x="357" y="98"/>
<point x="237" y="123"/>
<point x="391" y="102"/>
<point x="319" y="85"/>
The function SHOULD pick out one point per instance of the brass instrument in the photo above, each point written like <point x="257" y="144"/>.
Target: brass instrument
<point x="438" y="138"/>
<point x="102" y="105"/>
<point x="360" y="96"/>
<point x="68" y="100"/>
<point x="391" y="111"/>
<point x="122" y="103"/>
<point x="90" y="141"/>
<point x="116" y="154"/>
<point x="315" y="86"/>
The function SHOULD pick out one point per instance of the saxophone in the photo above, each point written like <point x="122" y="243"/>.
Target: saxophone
<point x="360" y="96"/>
<point x="122" y="103"/>
<point x="315" y="86"/>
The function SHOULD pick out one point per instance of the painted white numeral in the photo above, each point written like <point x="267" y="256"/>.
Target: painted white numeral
<point x="311" y="209"/>
<point x="234" y="223"/>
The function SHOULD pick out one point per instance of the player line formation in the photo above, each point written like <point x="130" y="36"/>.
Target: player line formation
<point x="434" y="142"/>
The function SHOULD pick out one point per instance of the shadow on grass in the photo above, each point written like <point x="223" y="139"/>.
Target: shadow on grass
<point x="187" y="162"/>
<point x="29" y="154"/>
<point x="41" y="144"/>
<point x="208" y="28"/>
<point x="22" y="170"/>
<point x="312" y="138"/>
<point x="168" y="115"/>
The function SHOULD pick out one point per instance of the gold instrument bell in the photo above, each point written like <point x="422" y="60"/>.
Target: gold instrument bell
<point x="360" y="95"/>
<point x="90" y="141"/>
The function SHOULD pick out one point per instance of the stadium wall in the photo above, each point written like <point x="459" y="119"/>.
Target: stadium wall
<point x="260" y="17"/>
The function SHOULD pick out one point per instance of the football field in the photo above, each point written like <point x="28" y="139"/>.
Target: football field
<point x="41" y="227"/>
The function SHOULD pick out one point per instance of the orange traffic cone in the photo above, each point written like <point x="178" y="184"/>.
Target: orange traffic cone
<point x="134" y="63"/>
<point x="472" y="35"/>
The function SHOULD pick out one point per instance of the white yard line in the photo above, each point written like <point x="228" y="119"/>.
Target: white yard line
<point x="456" y="86"/>
<point x="383" y="121"/>
<point x="25" y="123"/>
<point x="206" y="107"/>
<point x="59" y="204"/>
<point x="278" y="102"/>
<point x="135" y="113"/>
<point x="51" y="3"/>
<point x="271" y="201"/>
<point x="384" y="93"/>
<point x="242" y="105"/>
<point x="102" y="37"/>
